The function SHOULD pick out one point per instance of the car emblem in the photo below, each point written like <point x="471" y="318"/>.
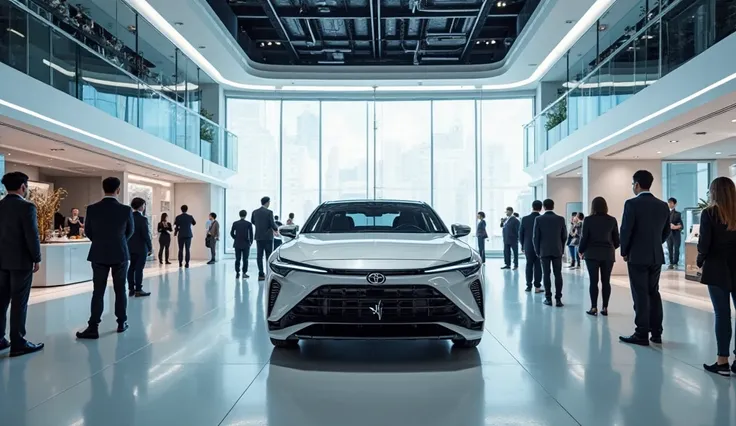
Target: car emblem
<point x="378" y="310"/>
<point x="376" y="278"/>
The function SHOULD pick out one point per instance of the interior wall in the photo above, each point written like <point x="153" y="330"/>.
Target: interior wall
<point x="563" y="191"/>
<point x="611" y="179"/>
<point x="723" y="168"/>
<point x="81" y="192"/>
<point x="33" y="172"/>
<point x="201" y="198"/>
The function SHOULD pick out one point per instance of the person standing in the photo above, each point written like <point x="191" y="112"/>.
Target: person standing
<point x="75" y="223"/>
<point x="20" y="258"/>
<point x="717" y="260"/>
<point x="550" y="235"/>
<point x="510" y="225"/>
<point x="140" y="248"/>
<point x="482" y="236"/>
<point x="213" y="236"/>
<point x="573" y="241"/>
<point x="265" y="224"/>
<point x="598" y="243"/>
<point x="164" y="239"/>
<point x="277" y="240"/>
<point x="242" y="234"/>
<point x="290" y="220"/>
<point x="571" y="250"/>
<point x="526" y="236"/>
<point x="645" y="226"/>
<point x="183" y="231"/>
<point x="675" y="238"/>
<point x="109" y="226"/>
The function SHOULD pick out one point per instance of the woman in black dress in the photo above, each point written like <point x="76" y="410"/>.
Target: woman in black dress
<point x="75" y="223"/>
<point x="598" y="243"/>
<point x="164" y="239"/>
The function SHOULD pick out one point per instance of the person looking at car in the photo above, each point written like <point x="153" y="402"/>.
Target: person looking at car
<point x="262" y="218"/>
<point x="482" y="236"/>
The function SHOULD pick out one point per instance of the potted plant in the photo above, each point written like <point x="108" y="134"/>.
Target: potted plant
<point x="206" y="130"/>
<point x="47" y="204"/>
<point x="556" y="115"/>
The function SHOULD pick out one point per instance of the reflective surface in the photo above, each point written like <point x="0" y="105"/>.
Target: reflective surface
<point x="197" y="353"/>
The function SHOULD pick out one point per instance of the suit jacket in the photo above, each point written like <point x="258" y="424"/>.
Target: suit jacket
<point x="242" y="234"/>
<point x="109" y="226"/>
<point x="482" y="233"/>
<point x="599" y="239"/>
<point x="645" y="226"/>
<point x="214" y="230"/>
<point x="511" y="230"/>
<point x="183" y="225"/>
<point x="676" y="219"/>
<point x="716" y="251"/>
<point x="140" y="242"/>
<point x="262" y="219"/>
<point x="550" y="235"/>
<point x="526" y="231"/>
<point x="20" y="246"/>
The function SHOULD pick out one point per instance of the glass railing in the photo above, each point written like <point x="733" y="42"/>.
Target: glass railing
<point x="30" y="43"/>
<point x="659" y="42"/>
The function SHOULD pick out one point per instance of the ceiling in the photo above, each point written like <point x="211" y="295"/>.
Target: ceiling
<point x="379" y="32"/>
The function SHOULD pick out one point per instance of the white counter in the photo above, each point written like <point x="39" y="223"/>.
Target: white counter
<point x="63" y="263"/>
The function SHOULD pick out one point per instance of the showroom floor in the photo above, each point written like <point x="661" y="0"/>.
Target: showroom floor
<point x="197" y="354"/>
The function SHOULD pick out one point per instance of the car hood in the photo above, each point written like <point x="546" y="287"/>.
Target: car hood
<point x="375" y="250"/>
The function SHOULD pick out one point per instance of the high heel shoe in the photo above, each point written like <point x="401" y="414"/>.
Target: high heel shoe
<point x="592" y="311"/>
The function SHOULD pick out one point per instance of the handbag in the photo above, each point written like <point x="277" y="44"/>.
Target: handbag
<point x="207" y="241"/>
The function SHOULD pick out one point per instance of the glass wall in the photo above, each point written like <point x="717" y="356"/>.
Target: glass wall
<point x="460" y="156"/>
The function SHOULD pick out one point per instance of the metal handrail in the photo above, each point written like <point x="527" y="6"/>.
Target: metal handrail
<point x="655" y="20"/>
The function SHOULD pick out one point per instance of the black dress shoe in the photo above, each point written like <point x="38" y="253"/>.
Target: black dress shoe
<point x="186" y="266"/>
<point x="237" y="275"/>
<point x="656" y="339"/>
<point x="88" y="333"/>
<point x="634" y="340"/>
<point x="548" y="302"/>
<point x="559" y="303"/>
<point x="141" y="293"/>
<point x="4" y="344"/>
<point x="261" y="277"/>
<point x="721" y="369"/>
<point x="131" y="293"/>
<point x="528" y="288"/>
<point x="733" y="367"/>
<point x="506" y="267"/>
<point x="180" y="264"/>
<point x="246" y="276"/>
<point x="122" y="327"/>
<point x="211" y="262"/>
<point x="25" y="349"/>
<point x="168" y="263"/>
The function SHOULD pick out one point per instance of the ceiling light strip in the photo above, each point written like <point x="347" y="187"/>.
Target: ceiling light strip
<point x="581" y="26"/>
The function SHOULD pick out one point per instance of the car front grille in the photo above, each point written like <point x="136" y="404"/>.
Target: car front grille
<point x="477" y="289"/>
<point x="273" y="293"/>
<point x="398" y="304"/>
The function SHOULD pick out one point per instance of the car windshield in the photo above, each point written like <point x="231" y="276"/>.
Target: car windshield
<point x="381" y="217"/>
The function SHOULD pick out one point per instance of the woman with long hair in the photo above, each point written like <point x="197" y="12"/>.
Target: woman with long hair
<point x="164" y="239"/>
<point x="598" y="244"/>
<point x="717" y="260"/>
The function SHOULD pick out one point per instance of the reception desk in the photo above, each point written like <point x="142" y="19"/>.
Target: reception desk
<point x="63" y="264"/>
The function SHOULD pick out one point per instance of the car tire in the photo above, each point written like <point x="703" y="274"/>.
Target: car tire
<point x="285" y="344"/>
<point x="466" y="344"/>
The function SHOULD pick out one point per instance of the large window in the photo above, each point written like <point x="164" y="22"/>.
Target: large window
<point x="460" y="156"/>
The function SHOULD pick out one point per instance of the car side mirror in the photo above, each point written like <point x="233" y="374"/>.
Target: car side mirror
<point x="289" y="231"/>
<point x="460" y="230"/>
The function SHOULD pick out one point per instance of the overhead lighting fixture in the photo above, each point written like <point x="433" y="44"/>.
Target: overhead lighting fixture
<point x="19" y="34"/>
<point x="673" y="141"/>
<point x="493" y="41"/>
<point x="718" y="153"/>
<point x="636" y="156"/>
<point x="501" y="4"/>
<point x="132" y="28"/>
<point x="278" y="43"/>
<point x="57" y="149"/>
<point x="659" y="152"/>
<point x="733" y="121"/>
<point x="178" y="24"/>
<point x="488" y="42"/>
<point x="580" y="173"/>
<point x="149" y="180"/>
<point x="202" y="47"/>
<point x="263" y="44"/>
<point x="477" y="42"/>
<point x="701" y="133"/>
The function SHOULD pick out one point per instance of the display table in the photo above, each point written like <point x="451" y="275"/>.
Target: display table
<point x="63" y="263"/>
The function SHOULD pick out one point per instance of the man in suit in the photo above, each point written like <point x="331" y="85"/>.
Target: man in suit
<point x="109" y="226"/>
<point x="140" y="248"/>
<point x="263" y="220"/>
<point x="183" y="230"/>
<point x="20" y="258"/>
<point x="645" y="226"/>
<point x="213" y="236"/>
<point x="550" y="235"/>
<point x="675" y="238"/>
<point x="510" y="225"/>
<point x="526" y="236"/>
<point x="242" y="234"/>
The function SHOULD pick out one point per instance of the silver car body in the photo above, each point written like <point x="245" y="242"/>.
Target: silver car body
<point x="348" y="259"/>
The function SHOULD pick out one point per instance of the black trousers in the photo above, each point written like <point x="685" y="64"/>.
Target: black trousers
<point x="602" y="269"/>
<point x="644" y="281"/>
<point x="242" y="254"/>
<point x="482" y="248"/>
<point x="673" y="247"/>
<point x="99" y="279"/>
<point x="15" y="289"/>
<point x="185" y="245"/>
<point x="263" y="247"/>
<point x="533" y="269"/>
<point x="552" y="265"/>
<point x="135" y="271"/>
<point x="507" y="249"/>
<point x="163" y="249"/>
<point x="277" y="243"/>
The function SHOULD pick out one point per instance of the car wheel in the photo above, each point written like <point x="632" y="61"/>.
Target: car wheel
<point x="285" y="344"/>
<point x="464" y="343"/>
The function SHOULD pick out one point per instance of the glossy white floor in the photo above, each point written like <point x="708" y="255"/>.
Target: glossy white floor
<point x="197" y="354"/>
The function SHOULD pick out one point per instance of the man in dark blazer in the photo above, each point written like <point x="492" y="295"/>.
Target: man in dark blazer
<point x="675" y="238"/>
<point x="109" y="226"/>
<point x="140" y="248"/>
<point x="20" y="258"/>
<point x="262" y="219"/>
<point x="242" y="234"/>
<point x="645" y="226"/>
<point x="550" y="235"/>
<point x="183" y="230"/>
<point x="526" y="236"/>
<point x="510" y="227"/>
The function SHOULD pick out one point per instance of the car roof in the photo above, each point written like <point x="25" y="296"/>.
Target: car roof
<point x="382" y="201"/>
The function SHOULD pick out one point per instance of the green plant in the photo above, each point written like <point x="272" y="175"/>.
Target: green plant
<point x="206" y="129"/>
<point x="556" y="115"/>
<point x="702" y="204"/>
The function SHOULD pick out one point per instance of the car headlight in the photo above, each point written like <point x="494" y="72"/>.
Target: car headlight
<point x="466" y="267"/>
<point x="282" y="267"/>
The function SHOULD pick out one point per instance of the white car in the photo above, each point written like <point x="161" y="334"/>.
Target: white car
<point x="375" y="270"/>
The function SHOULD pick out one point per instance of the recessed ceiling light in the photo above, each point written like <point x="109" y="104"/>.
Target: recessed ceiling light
<point x="488" y="42"/>
<point x="493" y="41"/>
<point x="659" y="152"/>
<point x="278" y="43"/>
<point x="569" y="21"/>
<point x="477" y="42"/>
<point x="580" y="173"/>
<point x="178" y="24"/>
<point x="718" y="152"/>
<point x="701" y="133"/>
<point x="269" y="43"/>
<point x="57" y="149"/>
<point x="673" y="141"/>
<point x="636" y="156"/>
<point x="733" y="121"/>
<point x="202" y="47"/>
